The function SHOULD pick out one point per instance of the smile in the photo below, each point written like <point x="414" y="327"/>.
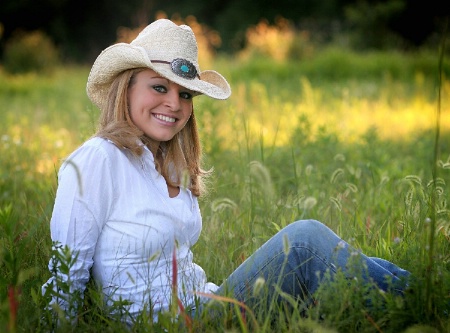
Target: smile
<point x="165" y="118"/>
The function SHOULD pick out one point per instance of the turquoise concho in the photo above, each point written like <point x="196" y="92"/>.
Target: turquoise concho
<point x="183" y="68"/>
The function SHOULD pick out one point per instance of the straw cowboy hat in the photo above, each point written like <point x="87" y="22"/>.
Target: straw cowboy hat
<point x="164" y="47"/>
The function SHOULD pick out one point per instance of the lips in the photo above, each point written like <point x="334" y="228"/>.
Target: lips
<point x="165" y="118"/>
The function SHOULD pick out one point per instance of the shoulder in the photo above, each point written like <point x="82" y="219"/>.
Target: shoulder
<point x="99" y="148"/>
<point x="95" y="152"/>
<point x="102" y="145"/>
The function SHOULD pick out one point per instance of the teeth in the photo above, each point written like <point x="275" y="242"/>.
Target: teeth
<point x="164" y="118"/>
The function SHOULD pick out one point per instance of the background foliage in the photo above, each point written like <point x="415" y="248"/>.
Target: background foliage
<point x="352" y="147"/>
<point x="82" y="28"/>
<point x="320" y="125"/>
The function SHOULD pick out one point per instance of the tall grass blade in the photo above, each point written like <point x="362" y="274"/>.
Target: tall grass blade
<point x="430" y="270"/>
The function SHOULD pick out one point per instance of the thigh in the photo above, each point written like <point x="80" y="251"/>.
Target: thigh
<point x="289" y="260"/>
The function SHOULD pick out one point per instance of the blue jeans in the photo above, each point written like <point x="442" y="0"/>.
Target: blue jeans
<point x="296" y="258"/>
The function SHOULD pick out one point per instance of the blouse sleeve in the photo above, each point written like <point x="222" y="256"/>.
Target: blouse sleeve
<point x="82" y="205"/>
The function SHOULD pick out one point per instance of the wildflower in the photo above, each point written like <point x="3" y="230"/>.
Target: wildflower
<point x="339" y="157"/>
<point x="397" y="240"/>
<point x="341" y="244"/>
<point x="309" y="203"/>
<point x="258" y="285"/>
<point x="427" y="220"/>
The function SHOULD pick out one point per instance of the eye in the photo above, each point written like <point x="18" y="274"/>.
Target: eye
<point x="160" y="89"/>
<point x="186" y="95"/>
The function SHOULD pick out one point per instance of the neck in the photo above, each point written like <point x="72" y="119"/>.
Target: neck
<point x="152" y="145"/>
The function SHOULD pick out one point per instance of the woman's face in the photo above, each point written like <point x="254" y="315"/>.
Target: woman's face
<point x="158" y="107"/>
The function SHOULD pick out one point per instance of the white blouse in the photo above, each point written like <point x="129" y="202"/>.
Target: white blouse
<point x="114" y="211"/>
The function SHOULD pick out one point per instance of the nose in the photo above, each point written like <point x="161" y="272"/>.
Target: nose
<point x="172" y="100"/>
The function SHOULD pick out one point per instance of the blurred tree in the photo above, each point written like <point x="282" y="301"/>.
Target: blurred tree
<point x="420" y="20"/>
<point x="232" y="17"/>
<point x="369" y="23"/>
<point x="402" y="24"/>
<point x="81" y="28"/>
<point x="30" y="52"/>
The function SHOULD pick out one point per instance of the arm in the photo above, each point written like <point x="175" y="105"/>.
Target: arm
<point x="82" y="205"/>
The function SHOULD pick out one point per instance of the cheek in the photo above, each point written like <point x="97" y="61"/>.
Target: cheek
<point x="136" y="116"/>
<point x="132" y="117"/>
<point x="136" y="106"/>
<point x="188" y="109"/>
<point x="187" y="115"/>
<point x="131" y="112"/>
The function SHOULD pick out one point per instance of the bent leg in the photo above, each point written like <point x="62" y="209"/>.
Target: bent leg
<point x="295" y="260"/>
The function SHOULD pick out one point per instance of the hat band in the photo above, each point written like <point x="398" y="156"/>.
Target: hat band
<point x="181" y="67"/>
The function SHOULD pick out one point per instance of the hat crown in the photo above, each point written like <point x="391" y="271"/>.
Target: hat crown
<point x="164" y="40"/>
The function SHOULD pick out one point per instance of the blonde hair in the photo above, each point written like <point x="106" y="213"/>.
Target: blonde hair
<point x="181" y="155"/>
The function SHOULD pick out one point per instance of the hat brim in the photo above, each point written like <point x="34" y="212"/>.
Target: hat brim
<point x="122" y="56"/>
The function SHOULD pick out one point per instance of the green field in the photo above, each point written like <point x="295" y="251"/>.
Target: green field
<point x="360" y="142"/>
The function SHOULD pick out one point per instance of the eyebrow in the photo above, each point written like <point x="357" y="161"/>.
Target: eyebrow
<point x="160" y="77"/>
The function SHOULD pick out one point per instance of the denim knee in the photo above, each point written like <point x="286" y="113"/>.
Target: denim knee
<point x="304" y="229"/>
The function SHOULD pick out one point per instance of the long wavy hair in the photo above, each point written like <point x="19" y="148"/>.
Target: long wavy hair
<point x="182" y="155"/>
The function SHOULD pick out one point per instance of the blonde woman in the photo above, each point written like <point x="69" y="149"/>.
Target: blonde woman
<point x="126" y="204"/>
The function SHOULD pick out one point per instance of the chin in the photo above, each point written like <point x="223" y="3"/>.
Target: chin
<point x="162" y="138"/>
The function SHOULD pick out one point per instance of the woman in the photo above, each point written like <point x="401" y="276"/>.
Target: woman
<point x="126" y="204"/>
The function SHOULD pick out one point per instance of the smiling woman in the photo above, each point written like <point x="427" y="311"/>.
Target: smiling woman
<point x="127" y="200"/>
<point x="126" y="236"/>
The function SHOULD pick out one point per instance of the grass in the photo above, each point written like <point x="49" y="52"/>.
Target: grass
<point x="344" y="138"/>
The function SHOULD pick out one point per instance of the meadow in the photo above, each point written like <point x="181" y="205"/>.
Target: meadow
<point x="359" y="141"/>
